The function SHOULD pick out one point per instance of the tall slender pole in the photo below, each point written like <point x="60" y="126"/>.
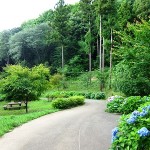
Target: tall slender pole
<point x="103" y="56"/>
<point x="62" y="55"/>
<point x="100" y="44"/>
<point x="90" y="54"/>
<point x="110" y="86"/>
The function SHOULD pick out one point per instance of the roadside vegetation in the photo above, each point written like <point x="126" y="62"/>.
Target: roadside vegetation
<point x="94" y="48"/>
<point x="133" y="130"/>
<point x="9" y="119"/>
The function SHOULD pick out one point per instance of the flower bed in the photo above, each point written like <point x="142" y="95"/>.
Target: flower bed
<point x="133" y="131"/>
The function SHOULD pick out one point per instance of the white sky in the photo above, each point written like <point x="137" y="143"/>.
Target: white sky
<point x="14" y="12"/>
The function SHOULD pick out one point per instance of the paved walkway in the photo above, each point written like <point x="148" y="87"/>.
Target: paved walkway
<point x="83" y="128"/>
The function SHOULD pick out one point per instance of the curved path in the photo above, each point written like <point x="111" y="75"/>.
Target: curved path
<point x="83" y="128"/>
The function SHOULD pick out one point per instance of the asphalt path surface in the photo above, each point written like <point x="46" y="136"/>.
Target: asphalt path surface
<point x="86" y="127"/>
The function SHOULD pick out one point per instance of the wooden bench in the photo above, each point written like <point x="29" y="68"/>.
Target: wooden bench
<point x="14" y="106"/>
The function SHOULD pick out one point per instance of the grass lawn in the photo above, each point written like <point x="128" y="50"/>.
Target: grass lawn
<point x="9" y="119"/>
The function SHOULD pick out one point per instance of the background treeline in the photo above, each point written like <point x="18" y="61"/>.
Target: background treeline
<point x="87" y="36"/>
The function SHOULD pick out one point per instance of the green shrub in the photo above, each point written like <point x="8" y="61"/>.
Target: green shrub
<point x="133" y="131"/>
<point x="92" y="96"/>
<point x="21" y="83"/>
<point x="126" y="106"/>
<point x="88" y="95"/>
<point x="65" y="103"/>
<point x="66" y="94"/>
<point x="100" y="95"/>
<point x="132" y="103"/>
<point x="114" y="106"/>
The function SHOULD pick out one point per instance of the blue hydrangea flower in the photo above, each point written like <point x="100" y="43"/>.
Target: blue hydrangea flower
<point x="146" y="108"/>
<point x="143" y="132"/>
<point x="114" y="133"/>
<point x="136" y="113"/>
<point x="131" y="120"/>
<point x="143" y="113"/>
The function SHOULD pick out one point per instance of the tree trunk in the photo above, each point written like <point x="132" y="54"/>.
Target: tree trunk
<point x="110" y="84"/>
<point x="103" y="56"/>
<point x="100" y="44"/>
<point x="90" y="55"/>
<point x="97" y="47"/>
<point x="62" y="55"/>
<point x="26" y="103"/>
<point x="8" y="59"/>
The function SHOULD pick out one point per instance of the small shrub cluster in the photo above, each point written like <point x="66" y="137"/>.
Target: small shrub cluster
<point x="113" y="106"/>
<point x="132" y="103"/>
<point x="66" y="94"/>
<point x="127" y="105"/>
<point x="133" y="131"/>
<point x="99" y="95"/>
<point x="65" y="103"/>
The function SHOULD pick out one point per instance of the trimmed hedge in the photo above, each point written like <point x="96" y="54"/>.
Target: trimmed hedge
<point x="66" y="94"/>
<point x="65" y="103"/>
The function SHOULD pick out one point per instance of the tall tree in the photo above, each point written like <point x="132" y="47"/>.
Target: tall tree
<point x="60" y="24"/>
<point x="86" y="7"/>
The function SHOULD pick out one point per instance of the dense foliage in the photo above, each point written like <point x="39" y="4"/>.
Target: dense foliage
<point x="126" y="105"/>
<point x="87" y="36"/>
<point x="22" y="83"/>
<point x="133" y="131"/>
<point x="131" y="75"/>
<point x="66" y="94"/>
<point x="65" y="103"/>
<point x="115" y="105"/>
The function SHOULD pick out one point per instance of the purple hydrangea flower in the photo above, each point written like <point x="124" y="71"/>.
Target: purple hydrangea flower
<point x="143" y="132"/>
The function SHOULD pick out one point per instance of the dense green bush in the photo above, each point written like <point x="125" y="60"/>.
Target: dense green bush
<point x="56" y="81"/>
<point x="66" y="94"/>
<point x="21" y="83"/>
<point x="132" y="103"/>
<point x="133" y="131"/>
<point x="127" y="105"/>
<point x="114" y="105"/>
<point x="100" y="95"/>
<point x="131" y="75"/>
<point x="65" y="103"/>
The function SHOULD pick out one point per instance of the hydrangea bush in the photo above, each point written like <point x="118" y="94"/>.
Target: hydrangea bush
<point x="133" y="131"/>
<point x="132" y="103"/>
<point x="127" y="105"/>
<point x="114" y="103"/>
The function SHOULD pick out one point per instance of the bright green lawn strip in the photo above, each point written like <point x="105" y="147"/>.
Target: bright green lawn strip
<point x="18" y="117"/>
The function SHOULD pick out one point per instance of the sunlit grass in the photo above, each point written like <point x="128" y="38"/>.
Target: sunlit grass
<point x="10" y="119"/>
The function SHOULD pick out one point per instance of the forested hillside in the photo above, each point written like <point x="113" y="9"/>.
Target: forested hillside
<point x="107" y="35"/>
